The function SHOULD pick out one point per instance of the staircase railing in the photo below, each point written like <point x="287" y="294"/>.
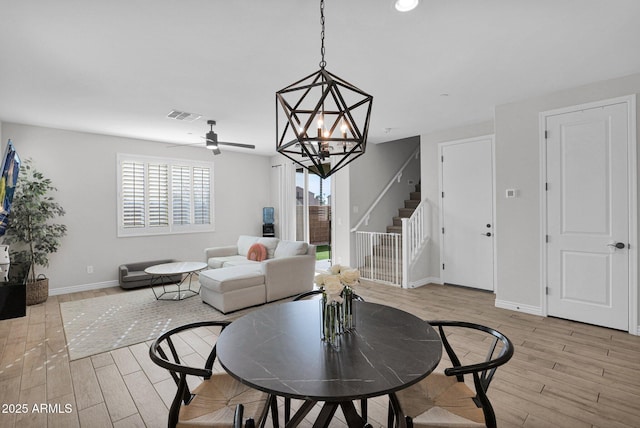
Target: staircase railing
<point x="415" y="233"/>
<point x="388" y="257"/>
<point x="397" y="177"/>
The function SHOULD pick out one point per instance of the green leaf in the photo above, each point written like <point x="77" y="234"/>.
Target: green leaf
<point x="30" y="232"/>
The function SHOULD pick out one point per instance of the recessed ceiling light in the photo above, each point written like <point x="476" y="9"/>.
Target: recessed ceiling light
<point x="406" y="5"/>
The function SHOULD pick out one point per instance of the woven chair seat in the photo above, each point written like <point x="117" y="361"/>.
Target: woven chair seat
<point x="215" y="402"/>
<point x="441" y="401"/>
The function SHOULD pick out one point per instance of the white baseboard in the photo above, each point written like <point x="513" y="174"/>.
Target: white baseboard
<point x="425" y="281"/>
<point x="513" y="306"/>
<point x="83" y="287"/>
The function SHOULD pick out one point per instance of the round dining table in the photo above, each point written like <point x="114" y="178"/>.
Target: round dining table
<point x="278" y="349"/>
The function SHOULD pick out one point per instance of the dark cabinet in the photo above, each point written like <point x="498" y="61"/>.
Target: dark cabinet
<point x="13" y="291"/>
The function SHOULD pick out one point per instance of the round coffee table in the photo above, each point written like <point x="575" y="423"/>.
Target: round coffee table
<point x="160" y="274"/>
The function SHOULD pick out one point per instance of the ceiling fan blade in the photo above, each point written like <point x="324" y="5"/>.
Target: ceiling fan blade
<point x="215" y="151"/>
<point x="183" y="145"/>
<point x="244" y="146"/>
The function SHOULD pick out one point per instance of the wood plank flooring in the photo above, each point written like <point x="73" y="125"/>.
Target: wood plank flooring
<point x="563" y="373"/>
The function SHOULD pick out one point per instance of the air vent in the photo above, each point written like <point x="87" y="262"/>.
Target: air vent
<point x="183" y="116"/>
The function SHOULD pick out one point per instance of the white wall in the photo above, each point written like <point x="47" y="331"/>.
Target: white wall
<point x="518" y="167"/>
<point x="83" y="168"/>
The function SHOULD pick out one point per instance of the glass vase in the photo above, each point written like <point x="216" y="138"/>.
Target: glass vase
<point x="348" y="309"/>
<point x="331" y="321"/>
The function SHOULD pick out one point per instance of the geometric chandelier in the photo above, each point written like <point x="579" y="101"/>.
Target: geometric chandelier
<point x="324" y="121"/>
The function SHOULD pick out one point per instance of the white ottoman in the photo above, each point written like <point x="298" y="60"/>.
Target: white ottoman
<point x="232" y="288"/>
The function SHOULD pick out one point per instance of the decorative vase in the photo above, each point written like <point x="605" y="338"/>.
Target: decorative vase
<point x="348" y="309"/>
<point x="331" y="321"/>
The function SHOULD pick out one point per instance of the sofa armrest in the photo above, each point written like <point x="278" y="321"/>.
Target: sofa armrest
<point x="124" y="271"/>
<point x="231" y="250"/>
<point x="288" y="276"/>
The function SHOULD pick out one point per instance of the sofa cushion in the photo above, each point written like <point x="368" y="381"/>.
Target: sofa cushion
<point x="220" y="262"/>
<point x="231" y="278"/>
<point x="257" y="252"/>
<point x="271" y="244"/>
<point x="244" y="243"/>
<point x="290" y="248"/>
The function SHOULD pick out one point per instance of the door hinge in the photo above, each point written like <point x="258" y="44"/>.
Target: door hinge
<point x="546" y="186"/>
<point x="546" y="238"/>
<point x="546" y="134"/>
<point x="546" y="290"/>
<point x="441" y="158"/>
<point x="443" y="194"/>
<point x="442" y="266"/>
<point x="443" y="230"/>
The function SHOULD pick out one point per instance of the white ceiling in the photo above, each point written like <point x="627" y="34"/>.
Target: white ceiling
<point x="118" y="67"/>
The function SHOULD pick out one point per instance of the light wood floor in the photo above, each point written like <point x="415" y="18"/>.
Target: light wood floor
<point x="563" y="374"/>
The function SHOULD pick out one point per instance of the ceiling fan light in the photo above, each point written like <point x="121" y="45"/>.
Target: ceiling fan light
<point x="406" y="5"/>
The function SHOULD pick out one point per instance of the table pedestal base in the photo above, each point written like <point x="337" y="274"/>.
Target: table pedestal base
<point x="178" y="294"/>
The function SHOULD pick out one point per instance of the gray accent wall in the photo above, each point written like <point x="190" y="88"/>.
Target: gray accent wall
<point x="370" y="174"/>
<point x="83" y="168"/>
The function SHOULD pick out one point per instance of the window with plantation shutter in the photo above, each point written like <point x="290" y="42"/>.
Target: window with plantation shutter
<point x="158" y="195"/>
<point x="133" y="195"/>
<point x="181" y="194"/>
<point x="201" y="192"/>
<point x="163" y="196"/>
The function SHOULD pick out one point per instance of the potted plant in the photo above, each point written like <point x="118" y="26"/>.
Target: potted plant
<point x="31" y="230"/>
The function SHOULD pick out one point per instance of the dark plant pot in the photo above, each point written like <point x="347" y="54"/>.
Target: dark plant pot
<point x="37" y="291"/>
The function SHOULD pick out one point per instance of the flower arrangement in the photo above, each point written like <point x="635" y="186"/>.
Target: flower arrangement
<point x="337" y="301"/>
<point x="336" y="279"/>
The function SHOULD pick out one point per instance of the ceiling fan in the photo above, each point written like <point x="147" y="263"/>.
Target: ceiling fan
<point x="212" y="142"/>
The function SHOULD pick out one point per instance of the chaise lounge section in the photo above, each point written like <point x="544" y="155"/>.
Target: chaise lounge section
<point x="238" y="279"/>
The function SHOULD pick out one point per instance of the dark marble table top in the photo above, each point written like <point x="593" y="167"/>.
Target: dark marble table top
<point x="278" y="349"/>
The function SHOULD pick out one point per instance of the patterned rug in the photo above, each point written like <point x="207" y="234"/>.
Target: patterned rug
<point x="102" y="324"/>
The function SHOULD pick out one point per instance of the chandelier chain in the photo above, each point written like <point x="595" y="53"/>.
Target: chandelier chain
<point x="323" y="63"/>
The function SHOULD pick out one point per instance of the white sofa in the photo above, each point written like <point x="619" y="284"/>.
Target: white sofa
<point x="234" y="282"/>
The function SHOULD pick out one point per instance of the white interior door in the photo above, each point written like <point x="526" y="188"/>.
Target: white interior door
<point x="588" y="216"/>
<point x="467" y="213"/>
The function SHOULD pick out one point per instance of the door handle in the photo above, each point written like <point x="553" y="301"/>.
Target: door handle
<point x="486" y="234"/>
<point x="618" y="245"/>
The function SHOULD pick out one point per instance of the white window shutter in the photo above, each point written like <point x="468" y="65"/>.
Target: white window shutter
<point x="133" y="195"/>
<point x="181" y="195"/>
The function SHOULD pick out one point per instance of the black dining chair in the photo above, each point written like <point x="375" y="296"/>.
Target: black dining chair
<point x="444" y="399"/>
<point x="219" y="400"/>
<point x="287" y="401"/>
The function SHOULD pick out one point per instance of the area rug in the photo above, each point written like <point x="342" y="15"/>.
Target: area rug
<point x="102" y="324"/>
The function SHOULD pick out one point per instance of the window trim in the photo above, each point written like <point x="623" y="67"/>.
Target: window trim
<point x="171" y="229"/>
